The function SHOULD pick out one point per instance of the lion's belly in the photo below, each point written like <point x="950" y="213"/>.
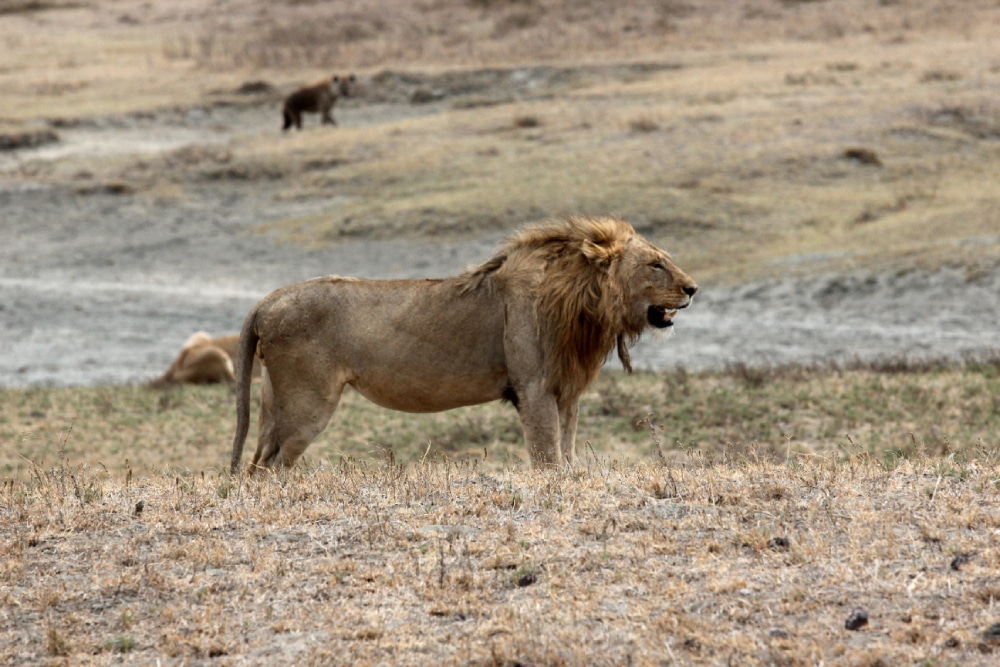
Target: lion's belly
<point x="416" y="373"/>
<point x="430" y="394"/>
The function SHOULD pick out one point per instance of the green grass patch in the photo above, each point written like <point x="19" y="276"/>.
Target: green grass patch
<point x="888" y="410"/>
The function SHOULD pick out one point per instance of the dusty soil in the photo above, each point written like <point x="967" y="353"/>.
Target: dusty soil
<point x="101" y="286"/>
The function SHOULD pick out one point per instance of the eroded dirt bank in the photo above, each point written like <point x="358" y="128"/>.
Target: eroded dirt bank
<point x="104" y="286"/>
<point x="104" y="289"/>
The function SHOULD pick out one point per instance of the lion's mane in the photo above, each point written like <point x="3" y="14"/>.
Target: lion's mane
<point x="579" y="296"/>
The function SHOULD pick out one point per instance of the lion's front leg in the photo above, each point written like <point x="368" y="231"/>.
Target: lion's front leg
<point x="536" y="403"/>
<point x="540" y="419"/>
<point x="569" y="410"/>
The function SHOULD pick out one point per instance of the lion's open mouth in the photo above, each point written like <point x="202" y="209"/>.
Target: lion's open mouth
<point x="660" y="317"/>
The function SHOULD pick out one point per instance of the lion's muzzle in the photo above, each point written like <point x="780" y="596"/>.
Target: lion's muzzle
<point x="660" y="317"/>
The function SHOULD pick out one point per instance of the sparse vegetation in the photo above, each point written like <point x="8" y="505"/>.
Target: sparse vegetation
<point x="32" y="6"/>
<point x="12" y="138"/>
<point x="735" y="557"/>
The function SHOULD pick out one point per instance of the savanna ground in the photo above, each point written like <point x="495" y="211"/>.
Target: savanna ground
<point x="713" y="518"/>
<point x="734" y="516"/>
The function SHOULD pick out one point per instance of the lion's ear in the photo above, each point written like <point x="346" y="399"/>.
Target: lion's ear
<point x="602" y="253"/>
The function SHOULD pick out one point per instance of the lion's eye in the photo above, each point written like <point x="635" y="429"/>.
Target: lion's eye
<point x="658" y="266"/>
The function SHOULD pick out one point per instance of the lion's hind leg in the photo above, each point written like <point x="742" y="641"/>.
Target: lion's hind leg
<point x="292" y="414"/>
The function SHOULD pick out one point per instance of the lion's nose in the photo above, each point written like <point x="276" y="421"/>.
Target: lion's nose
<point x="690" y="289"/>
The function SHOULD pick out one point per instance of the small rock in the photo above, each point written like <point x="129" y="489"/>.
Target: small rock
<point x="864" y="156"/>
<point x="857" y="620"/>
<point x="778" y="633"/>
<point x="527" y="579"/>
<point x="960" y="560"/>
<point x="255" y="88"/>
<point x="691" y="644"/>
<point x="778" y="543"/>
<point x="425" y="96"/>
<point x="992" y="634"/>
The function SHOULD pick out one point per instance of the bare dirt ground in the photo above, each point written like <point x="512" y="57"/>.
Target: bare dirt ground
<point x="103" y="287"/>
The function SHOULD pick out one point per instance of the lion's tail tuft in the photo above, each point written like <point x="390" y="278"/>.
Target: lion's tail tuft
<point x="288" y="119"/>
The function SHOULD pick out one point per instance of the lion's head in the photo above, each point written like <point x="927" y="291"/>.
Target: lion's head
<point x="598" y="285"/>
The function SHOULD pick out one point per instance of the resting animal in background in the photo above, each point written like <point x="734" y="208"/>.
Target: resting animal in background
<point x="317" y="98"/>
<point x="203" y="360"/>
<point x="532" y="325"/>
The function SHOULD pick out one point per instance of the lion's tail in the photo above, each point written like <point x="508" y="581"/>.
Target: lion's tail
<point x="244" y="374"/>
<point x="288" y="118"/>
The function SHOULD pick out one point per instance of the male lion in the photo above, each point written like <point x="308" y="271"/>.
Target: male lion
<point x="532" y="325"/>
<point x="203" y="360"/>
<point x="317" y="98"/>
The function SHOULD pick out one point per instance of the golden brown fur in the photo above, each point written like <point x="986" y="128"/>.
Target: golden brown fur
<point x="317" y="98"/>
<point x="532" y="325"/>
<point x="204" y="360"/>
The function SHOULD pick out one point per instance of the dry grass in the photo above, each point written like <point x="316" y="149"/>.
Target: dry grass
<point x="739" y="562"/>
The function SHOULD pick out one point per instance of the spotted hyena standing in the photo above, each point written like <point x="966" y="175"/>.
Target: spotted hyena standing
<point x="317" y="98"/>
